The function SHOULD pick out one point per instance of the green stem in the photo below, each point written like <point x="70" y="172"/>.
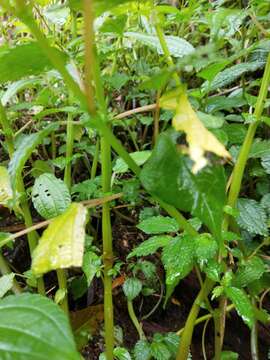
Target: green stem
<point x="240" y="165"/>
<point x="254" y="348"/>
<point x="135" y="321"/>
<point x="237" y="177"/>
<point x="62" y="282"/>
<point x="95" y="159"/>
<point x="92" y="71"/>
<point x="186" y="336"/>
<point x="69" y="151"/>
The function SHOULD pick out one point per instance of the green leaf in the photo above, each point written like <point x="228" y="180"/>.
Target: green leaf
<point x="158" y="225"/>
<point x="231" y="74"/>
<point x="62" y="243"/>
<point x="121" y="353"/>
<point x="91" y="265"/>
<point x="100" y="6"/>
<point x="205" y="247"/>
<point x="23" y="60"/>
<point x="178" y="258"/>
<point x="17" y="86"/>
<point x="229" y="355"/>
<point x="50" y="196"/>
<point x="142" y="350"/>
<point x="6" y="283"/>
<point x="248" y="272"/>
<point x="210" y="121"/>
<point x="33" y="327"/>
<point x="259" y="149"/>
<point x="242" y="304"/>
<point x="171" y="340"/>
<point x="168" y="176"/>
<point x="24" y="150"/>
<point x="159" y="351"/>
<point x="252" y="216"/>
<point x="5" y="187"/>
<point x="140" y="157"/>
<point x="132" y="287"/>
<point x="266" y="163"/>
<point x="177" y="46"/>
<point x="150" y="246"/>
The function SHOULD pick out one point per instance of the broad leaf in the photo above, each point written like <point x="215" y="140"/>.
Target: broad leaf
<point x="50" y="196"/>
<point x="121" y="353"/>
<point x="242" y="304"/>
<point x="62" y="243"/>
<point x="167" y="175"/>
<point x="91" y="265"/>
<point x="159" y="351"/>
<point x="142" y="350"/>
<point x="17" y="86"/>
<point x="252" y="216"/>
<point x="24" y="150"/>
<point x="178" y="258"/>
<point x="150" y="246"/>
<point x="250" y="271"/>
<point x="33" y="327"/>
<point x="205" y="247"/>
<point x="100" y="6"/>
<point x="5" y="187"/>
<point x="158" y="225"/>
<point x="177" y="46"/>
<point x="200" y="140"/>
<point x="140" y="157"/>
<point x="23" y="60"/>
<point x="6" y="283"/>
<point x="132" y="287"/>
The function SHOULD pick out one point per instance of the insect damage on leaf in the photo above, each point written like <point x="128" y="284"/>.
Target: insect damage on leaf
<point x="198" y="137"/>
<point x="62" y="243"/>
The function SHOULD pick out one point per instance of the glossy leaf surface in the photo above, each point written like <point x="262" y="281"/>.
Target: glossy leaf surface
<point x="33" y="327"/>
<point x="168" y="176"/>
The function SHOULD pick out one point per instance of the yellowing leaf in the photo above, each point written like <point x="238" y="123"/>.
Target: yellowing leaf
<point x="198" y="137"/>
<point x="5" y="187"/>
<point x="62" y="243"/>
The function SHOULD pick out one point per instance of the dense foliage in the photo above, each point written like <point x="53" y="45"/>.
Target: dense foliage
<point x="134" y="160"/>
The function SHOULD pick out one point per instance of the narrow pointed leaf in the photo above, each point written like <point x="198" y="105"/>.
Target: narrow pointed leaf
<point x="242" y="304"/>
<point x="24" y="150"/>
<point x="62" y="243"/>
<point x="151" y="245"/>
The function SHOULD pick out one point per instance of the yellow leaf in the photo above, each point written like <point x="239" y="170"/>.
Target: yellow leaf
<point x="62" y="243"/>
<point x="5" y="187"/>
<point x="198" y="137"/>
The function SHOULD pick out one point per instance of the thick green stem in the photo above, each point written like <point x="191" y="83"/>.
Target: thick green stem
<point x="237" y="177"/>
<point x="62" y="282"/>
<point x="186" y="336"/>
<point x="135" y="321"/>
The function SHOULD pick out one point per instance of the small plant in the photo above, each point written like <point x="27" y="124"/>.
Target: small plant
<point x="134" y="158"/>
